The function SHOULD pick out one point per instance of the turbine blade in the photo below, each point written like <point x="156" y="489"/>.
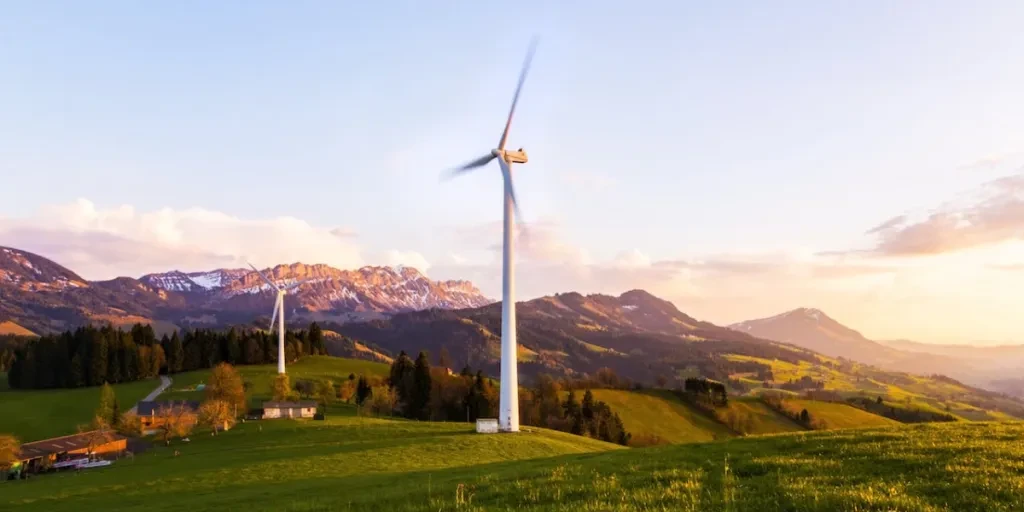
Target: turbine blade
<point x="265" y="278"/>
<point x="475" y="164"/>
<point x="273" y="318"/>
<point x="506" y="173"/>
<point x="519" y="88"/>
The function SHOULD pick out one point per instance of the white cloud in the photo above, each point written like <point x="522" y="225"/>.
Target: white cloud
<point x="406" y="258"/>
<point x="101" y="243"/>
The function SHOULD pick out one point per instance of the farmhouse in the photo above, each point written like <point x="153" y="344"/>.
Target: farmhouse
<point x="303" y="409"/>
<point x="44" y="454"/>
<point x="149" y="411"/>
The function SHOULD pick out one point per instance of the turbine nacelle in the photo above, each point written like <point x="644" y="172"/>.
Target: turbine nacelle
<point x="516" y="157"/>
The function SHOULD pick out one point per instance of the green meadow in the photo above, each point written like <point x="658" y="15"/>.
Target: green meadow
<point x="260" y="377"/>
<point x="353" y="463"/>
<point x="41" y="414"/>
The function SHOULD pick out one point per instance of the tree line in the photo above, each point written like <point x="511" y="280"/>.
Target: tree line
<point x="92" y="356"/>
<point x="417" y="390"/>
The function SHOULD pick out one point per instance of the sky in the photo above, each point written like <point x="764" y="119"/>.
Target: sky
<point x="738" y="159"/>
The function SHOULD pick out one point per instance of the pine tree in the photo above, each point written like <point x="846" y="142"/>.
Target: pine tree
<point x="420" y="398"/>
<point x="115" y="414"/>
<point x="176" y="354"/>
<point x="108" y="403"/>
<point x="113" y="361"/>
<point x="401" y="380"/>
<point x="363" y="390"/>
<point x="97" y="359"/>
<point x="316" y="340"/>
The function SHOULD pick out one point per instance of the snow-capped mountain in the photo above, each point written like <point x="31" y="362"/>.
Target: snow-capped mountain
<point x="323" y="288"/>
<point x="44" y="296"/>
<point x="175" y="281"/>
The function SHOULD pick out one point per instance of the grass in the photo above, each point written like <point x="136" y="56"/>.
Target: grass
<point x="763" y="419"/>
<point x="41" y="414"/>
<point x="658" y="416"/>
<point x="363" y="464"/>
<point x="838" y="415"/>
<point x="271" y="465"/>
<point x="336" y="369"/>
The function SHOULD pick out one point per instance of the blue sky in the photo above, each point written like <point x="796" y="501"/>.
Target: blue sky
<point x="681" y="130"/>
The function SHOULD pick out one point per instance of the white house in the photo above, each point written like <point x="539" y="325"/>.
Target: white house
<point x="304" y="409"/>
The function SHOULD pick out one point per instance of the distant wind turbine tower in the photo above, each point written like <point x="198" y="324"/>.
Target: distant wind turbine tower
<point x="508" y="409"/>
<point x="278" y="314"/>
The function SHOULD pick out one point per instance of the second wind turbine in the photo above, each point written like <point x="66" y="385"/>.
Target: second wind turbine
<point x="278" y="314"/>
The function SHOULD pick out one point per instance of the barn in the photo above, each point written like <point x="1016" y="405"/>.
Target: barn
<point x="48" y="453"/>
<point x="303" y="409"/>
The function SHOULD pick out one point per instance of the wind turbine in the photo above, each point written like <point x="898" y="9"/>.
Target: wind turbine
<point x="278" y="314"/>
<point x="508" y="409"/>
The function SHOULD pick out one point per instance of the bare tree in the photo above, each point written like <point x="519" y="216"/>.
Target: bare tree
<point x="97" y="433"/>
<point x="175" y="421"/>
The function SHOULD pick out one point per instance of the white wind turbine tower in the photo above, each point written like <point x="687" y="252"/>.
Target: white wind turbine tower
<point x="508" y="409"/>
<point x="278" y="314"/>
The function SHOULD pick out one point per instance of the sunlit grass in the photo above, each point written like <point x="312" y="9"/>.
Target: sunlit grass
<point x="378" y="465"/>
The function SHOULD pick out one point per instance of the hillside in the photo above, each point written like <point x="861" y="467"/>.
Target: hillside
<point x="636" y="334"/>
<point x="658" y="417"/>
<point x="814" y="330"/>
<point x="9" y="327"/>
<point x="268" y="465"/>
<point x="834" y="416"/>
<point x="365" y="464"/>
<point x="41" y="414"/>
<point x="260" y="377"/>
<point x="847" y="379"/>
<point x="42" y="296"/>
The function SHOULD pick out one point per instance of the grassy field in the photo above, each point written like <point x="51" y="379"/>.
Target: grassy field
<point x="40" y="414"/>
<point x="272" y="465"/>
<point x="764" y="420"/>
<point x="659" y="413"/>
<point x="837" y="415"/>
<point x="336" y="369"/>
<point x="350" y="463"/>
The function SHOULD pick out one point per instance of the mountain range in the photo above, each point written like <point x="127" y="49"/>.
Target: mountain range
<point x="43" y="296"/>
<point x="398" y="308"/>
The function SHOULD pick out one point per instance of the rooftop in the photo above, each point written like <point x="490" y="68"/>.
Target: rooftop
<point x="280" y="405"/>
<point x="148" y="408"/>
<point x="64" y="444"/>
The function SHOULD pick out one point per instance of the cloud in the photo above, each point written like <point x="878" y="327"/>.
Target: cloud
<point x="406" y="258"/>
<point x="996" y="215"/>
<point x="102" y="243"/>
<point x="990" y="161"/>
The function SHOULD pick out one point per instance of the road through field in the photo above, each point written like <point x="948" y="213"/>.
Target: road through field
<point x="165" y="382"/>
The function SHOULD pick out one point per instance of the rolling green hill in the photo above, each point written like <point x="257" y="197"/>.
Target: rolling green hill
<point x="657" y="417"/>
<point x="365" y="464"/>
<point x="838" y="415"/>
<point x="271" y="465"/>
<point x="763" y="420"/>
<point x="261" y="376"/>
<point x="40" y="414"/>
